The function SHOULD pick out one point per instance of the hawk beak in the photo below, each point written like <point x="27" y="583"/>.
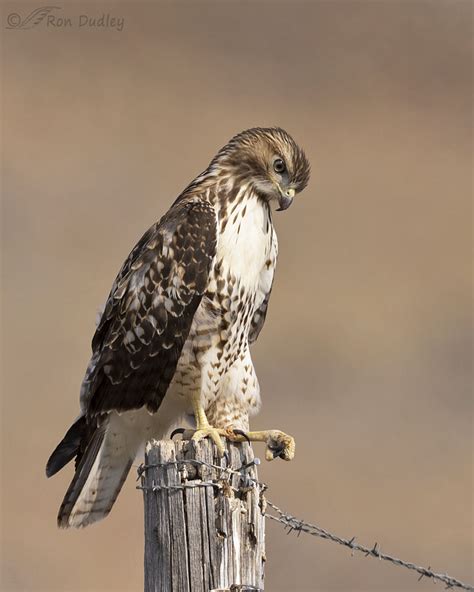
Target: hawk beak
<point x="286" y="199"/>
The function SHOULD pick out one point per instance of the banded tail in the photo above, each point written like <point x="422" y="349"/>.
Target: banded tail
<point x="104" y="455"/>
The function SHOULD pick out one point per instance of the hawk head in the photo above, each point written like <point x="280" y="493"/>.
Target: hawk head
<point x="269" y="160"/>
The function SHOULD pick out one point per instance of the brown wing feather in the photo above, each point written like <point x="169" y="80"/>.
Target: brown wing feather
<point x="258" y="319"/>
<point x="150" y="309"/>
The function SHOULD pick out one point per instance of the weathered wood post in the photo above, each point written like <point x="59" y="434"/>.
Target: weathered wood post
<point x="204" y="523"/>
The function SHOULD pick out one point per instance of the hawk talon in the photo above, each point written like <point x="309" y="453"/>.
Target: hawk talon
<point x="207" y="431"/>
<point x="277" y="451"/>
<point x="188" y="434"/>
<point x="176" y="432"/>
<point x="227" y="459"/>
<point x="239" y="433"/>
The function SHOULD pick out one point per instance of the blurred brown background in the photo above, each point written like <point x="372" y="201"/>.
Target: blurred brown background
<point x="366" y="354"/>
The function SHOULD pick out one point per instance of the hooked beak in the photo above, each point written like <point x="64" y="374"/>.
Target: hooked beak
<point x="286" y="198"/>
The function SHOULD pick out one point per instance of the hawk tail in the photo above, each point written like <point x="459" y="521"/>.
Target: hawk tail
<point x="68" y="448"/>
<point x="101" y="471"/>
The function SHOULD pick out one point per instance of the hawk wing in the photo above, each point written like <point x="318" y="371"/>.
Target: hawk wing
<point x="135" y="351"/>
<point x="258" y="319"/>
<point x="149" y="311"/>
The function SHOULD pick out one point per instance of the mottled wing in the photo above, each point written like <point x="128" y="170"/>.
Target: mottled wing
<point x="149" y="312"/>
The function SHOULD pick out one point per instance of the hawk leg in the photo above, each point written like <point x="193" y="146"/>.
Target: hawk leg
<point x="278" y="443"/>
<point x="203" y="427"/>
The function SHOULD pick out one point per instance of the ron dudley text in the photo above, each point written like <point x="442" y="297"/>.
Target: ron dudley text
<point x="86" y="21"/>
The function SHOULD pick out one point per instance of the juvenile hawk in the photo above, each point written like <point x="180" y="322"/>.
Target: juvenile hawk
<point x="173" y="340"/>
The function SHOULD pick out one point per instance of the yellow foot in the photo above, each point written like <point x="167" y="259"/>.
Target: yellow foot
<point x="213" y="433"/>
<point x="278" y="443"/>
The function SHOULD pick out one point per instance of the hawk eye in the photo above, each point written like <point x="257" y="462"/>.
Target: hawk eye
<point x="279" y="166"/>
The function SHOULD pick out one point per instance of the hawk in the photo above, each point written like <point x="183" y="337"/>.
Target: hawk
<point x="172" y="343"/>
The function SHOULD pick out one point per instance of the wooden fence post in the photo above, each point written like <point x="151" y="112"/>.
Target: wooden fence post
<point x="204" y="526"/>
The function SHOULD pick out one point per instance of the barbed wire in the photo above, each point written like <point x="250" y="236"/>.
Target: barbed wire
<point x="291" y="523"/>
<point x="200" y="463"/>
<point x="182" y="486"/>
<point x="294" y="524"/>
